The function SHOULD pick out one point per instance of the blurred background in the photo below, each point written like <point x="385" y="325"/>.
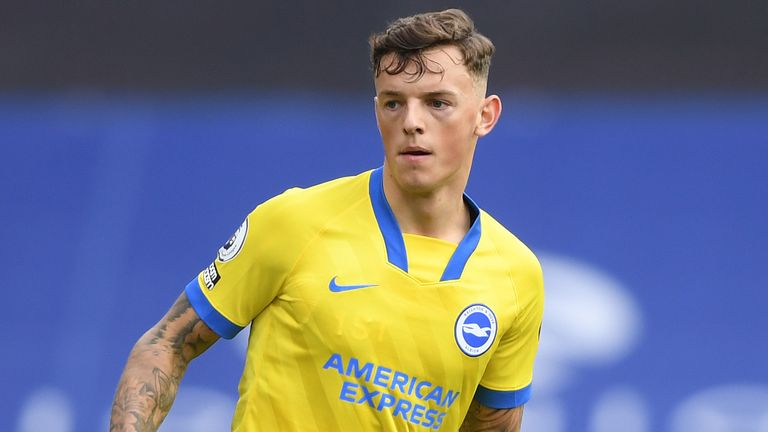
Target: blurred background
<point x="632" y="157"/>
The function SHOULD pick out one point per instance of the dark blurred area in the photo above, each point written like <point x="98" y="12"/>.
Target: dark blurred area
<point x="214" y="45"/>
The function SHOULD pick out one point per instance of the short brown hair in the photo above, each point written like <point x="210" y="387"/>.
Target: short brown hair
<point x="407" y="38"/>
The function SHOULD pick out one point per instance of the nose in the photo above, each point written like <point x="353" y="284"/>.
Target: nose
<point x="413" y="123"/>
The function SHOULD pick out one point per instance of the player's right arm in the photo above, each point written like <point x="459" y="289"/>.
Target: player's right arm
<point x="155" y="367"/>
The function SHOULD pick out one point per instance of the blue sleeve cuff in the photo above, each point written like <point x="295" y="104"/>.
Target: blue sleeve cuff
<point x="210" y="316"/>
<point x="503" y="399"/>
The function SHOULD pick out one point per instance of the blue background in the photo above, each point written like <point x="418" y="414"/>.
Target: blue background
<point x="112" y="202"/>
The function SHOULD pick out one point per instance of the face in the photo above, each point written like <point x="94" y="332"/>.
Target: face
<point x="430" y="126"/>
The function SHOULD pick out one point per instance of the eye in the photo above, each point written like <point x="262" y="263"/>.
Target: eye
<point x="437" y="103"/>
<point x="391" y="104"/>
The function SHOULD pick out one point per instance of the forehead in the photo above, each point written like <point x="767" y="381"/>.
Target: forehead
<point x="444" y="67"/>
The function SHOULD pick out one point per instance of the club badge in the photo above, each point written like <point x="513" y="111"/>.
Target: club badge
<point x="475" y="330"/>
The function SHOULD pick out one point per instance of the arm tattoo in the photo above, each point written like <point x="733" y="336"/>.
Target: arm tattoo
<point x="131" y="401"/>
<point x="483" y="419"/>
<point x="155" y="367"/>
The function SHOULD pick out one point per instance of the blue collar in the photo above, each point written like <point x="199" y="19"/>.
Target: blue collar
<point x="393" y="237"/>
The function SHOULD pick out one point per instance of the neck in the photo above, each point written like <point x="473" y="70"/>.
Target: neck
<point x="440" y="214"/>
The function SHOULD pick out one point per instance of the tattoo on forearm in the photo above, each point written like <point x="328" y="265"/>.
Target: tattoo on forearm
<point x="155" y="368"/>
<point x="483" y="419"/>
<point x="142" y="406"/>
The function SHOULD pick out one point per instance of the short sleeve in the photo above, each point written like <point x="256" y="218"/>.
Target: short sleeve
<point x="248" y="271"/>
<point x="507" y="380"/>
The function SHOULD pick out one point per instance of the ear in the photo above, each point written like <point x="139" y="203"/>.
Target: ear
<point x="488" y="116"/>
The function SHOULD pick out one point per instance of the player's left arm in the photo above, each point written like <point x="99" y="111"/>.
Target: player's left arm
<point x="481" y="418"/>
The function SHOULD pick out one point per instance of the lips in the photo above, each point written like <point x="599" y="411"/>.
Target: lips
<point x="415" y="151"/>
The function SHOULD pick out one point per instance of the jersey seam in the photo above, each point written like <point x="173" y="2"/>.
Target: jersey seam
<point x="518" y="312"/>
<point x="493" y="388"/>
<point x="511" y="280"/>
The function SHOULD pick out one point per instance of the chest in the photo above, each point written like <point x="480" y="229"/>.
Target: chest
<point x="347" y="299"/>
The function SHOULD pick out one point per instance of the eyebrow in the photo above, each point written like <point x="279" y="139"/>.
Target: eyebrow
<point x="432" y="94"/>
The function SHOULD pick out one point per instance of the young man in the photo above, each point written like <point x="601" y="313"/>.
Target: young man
<point x="384" y="301"/>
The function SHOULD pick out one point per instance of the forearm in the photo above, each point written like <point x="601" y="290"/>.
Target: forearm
<point x="483" y="419"/>
<point x="147" y="387"/>
<point x="155" y="367"/>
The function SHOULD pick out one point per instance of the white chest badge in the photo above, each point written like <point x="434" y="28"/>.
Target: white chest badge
<point x="475" y="329"/>
<point x="233" y="246"/>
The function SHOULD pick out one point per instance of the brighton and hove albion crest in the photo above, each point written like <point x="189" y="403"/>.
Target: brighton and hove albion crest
<point x="475" y="329"/>
<point x="234" y="244"/>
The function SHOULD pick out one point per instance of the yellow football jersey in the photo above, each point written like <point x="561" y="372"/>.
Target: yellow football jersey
<point x="355" y="326"/>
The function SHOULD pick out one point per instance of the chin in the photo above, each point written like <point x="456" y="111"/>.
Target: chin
<point x="416" y="183"/>
<point x="416" y="180"/>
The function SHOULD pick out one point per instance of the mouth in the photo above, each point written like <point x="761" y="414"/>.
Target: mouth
<point x="415" y="151"/>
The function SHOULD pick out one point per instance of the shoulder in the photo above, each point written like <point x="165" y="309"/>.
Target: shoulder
<point x="508" y="246"/>
<point x="276" y="232"/>
<point x="517" y="260"/>
<point x="306" y="206"/>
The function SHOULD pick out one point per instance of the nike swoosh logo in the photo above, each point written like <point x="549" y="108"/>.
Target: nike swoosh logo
<point x="334" y="287"/>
